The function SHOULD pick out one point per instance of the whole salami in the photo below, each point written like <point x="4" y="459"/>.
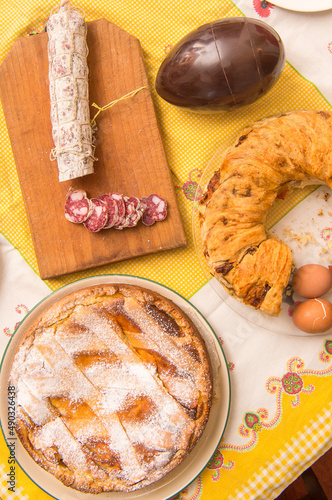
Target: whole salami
<point x="69" y="93"/>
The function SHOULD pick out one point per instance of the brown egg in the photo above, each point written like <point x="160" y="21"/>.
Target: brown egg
<point x="222" y="65"/>
<point x="312" y="280"/>
<point x="313" y="316"/>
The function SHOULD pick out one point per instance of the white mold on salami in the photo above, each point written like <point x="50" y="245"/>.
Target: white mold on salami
<point x="68" y="83"/>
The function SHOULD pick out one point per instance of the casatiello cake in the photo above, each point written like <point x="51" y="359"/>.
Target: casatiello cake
<point x="114" y="388"/>
<point x="268" y="158"/>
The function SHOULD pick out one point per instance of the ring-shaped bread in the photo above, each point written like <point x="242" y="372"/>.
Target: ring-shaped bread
<point x="269" y="157"/>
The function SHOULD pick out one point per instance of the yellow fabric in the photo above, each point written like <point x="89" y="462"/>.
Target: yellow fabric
<point x="190" y="140"/>
<point x="259" y="475"/>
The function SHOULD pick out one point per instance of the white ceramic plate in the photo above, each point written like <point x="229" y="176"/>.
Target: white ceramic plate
<point x="304" y="5"/>
<point x="301" y="227"/>
<point x="191" y="467"/>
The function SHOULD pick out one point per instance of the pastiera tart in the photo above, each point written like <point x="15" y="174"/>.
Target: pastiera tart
<point x="114" y="388"/>
<point x="268" y="158"/>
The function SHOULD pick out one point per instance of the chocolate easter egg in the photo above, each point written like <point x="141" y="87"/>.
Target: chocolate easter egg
<point x="222" y="65"/>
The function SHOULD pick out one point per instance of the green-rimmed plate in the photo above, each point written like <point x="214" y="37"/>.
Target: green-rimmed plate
<point x="196" y="461"/>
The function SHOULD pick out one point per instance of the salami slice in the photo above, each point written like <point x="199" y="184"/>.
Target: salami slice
<point x="129" y="210"/>
<point x="78" y="207"/>
<point x="121" y="210"/>
<point x="137" y="212"/>
<point x="155" y="209"/>
<point x="112" y="207"/>
<point x="98" y="218"/>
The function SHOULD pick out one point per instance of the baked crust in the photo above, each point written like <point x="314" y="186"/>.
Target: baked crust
<point x="114" y="388"/>
<point x="268" y="158"/>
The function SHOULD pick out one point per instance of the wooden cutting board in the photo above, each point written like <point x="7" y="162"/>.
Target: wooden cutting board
<point x="129" y="148"/>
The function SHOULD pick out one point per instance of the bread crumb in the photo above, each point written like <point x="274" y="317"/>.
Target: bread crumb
<point x="325" y="196"/>
<point x="302" y="238"/>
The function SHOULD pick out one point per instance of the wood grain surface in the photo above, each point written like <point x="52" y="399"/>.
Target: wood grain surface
<point x="129" y="148"/>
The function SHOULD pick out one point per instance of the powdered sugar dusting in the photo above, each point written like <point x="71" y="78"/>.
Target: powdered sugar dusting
<point x="165" y="344"/>
<point x="56" y="434"/>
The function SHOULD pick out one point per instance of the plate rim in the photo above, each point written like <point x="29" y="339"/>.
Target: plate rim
<point x="302" y="5"/>
<point x="114" y="277"/>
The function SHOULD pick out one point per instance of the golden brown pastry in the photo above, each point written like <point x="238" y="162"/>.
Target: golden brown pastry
<point x="269" y="157"/>
<point x="113" y="388"/>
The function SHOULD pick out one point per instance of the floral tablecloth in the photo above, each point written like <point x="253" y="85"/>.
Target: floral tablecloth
<point x="281" y="404"/>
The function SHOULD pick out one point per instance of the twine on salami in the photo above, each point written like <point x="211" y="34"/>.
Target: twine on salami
<point x="110" y="104"/>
